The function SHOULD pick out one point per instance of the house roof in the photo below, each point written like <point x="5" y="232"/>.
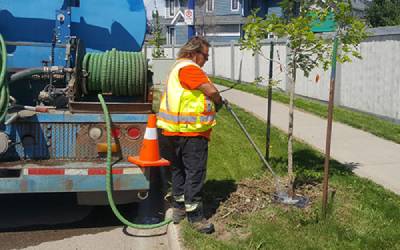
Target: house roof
<point x="178" y="18"/>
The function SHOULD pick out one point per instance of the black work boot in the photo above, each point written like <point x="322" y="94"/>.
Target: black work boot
<point x="203" y="226"/>
<point x="199" y="223"/>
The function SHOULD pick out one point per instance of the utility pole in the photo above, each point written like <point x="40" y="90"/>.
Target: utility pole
<point x="191" y="28"/>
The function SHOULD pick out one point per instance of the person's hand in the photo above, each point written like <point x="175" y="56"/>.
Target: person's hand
<point x="218" y="106"/>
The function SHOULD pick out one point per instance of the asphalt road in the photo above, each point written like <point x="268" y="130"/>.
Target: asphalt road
<point x="55" y="221"/>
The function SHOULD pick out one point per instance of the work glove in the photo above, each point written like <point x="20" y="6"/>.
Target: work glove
<point x="218" y="106"/>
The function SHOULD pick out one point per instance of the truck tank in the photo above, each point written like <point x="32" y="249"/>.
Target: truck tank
<point x="101" y="24"/>
<point x="60" y="55"/>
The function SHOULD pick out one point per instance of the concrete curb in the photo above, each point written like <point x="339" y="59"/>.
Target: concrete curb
<point x="174" y="239"/>
<point x="173" y="234"/>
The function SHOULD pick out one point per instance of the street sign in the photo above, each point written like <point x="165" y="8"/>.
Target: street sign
<point x="328" y="25"/>
<point x="189" y="16"/>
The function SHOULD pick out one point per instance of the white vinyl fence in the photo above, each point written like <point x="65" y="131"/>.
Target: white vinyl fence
<point x="370" y="85"/>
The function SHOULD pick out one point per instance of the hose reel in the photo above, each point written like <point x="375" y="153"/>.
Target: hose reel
<point x="118" y="73"/>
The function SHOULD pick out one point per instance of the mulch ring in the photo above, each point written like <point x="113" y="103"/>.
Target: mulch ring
<point x="251" y="196"/>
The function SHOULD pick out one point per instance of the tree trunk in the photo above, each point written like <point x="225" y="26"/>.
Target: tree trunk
<point x="290" y="130"/>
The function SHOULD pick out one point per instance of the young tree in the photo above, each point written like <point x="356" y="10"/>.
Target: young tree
<point x="157" y="40"/>
<point x="384" y="13"/>
<point x="307" y="49"/>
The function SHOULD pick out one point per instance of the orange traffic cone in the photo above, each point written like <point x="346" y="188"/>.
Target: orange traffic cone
<point x="149" y="152"/>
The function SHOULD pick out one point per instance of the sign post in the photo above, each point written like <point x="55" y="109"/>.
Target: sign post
<point x="328" y="25"/>
<point x="190" y="23"/>
<point x="270" y="75"/>
<point x="329" y="127"/>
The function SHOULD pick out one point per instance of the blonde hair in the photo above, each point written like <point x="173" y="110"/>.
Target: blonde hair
<point x="194" y="45"/>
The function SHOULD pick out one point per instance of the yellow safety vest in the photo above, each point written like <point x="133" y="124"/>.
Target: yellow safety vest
<point x="183" y="110"/>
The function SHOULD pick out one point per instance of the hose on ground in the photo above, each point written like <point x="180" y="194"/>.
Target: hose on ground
<point x="4" y="92"/>
<point x="117" y="72"/>
<point x="109" y="177"/>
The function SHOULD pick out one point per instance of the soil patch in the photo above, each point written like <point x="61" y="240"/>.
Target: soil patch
<point x="253" y="195"/>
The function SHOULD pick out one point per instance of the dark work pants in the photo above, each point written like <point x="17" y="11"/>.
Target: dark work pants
<point x="188" y="156"/>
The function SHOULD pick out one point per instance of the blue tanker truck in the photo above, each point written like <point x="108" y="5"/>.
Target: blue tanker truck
<point x="56" y="57"/>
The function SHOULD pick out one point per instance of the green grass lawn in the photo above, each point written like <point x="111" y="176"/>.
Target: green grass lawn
<point x="363" y="215"/>
<point x="368" y="123"/>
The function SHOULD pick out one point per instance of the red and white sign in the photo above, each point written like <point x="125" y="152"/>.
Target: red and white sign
<point x="189" y="16"/>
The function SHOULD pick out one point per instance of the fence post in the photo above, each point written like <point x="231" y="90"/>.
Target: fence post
<point x="232" y="61"/>
<point x="212" y="59"/>
<point x="256" y="66"/>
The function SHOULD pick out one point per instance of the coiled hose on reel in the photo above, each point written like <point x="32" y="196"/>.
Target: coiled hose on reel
<point x="4" y="92"/>
<point x="117" y="72"/>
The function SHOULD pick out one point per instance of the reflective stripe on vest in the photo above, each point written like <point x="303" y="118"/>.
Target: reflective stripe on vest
<point x="183" y="110"/>
<point x="192" y="206"/>
<point x="179" y="198"/>
<point x="186" y="119"/>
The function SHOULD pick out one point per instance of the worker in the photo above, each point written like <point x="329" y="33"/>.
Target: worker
<point x="186" y="116"/>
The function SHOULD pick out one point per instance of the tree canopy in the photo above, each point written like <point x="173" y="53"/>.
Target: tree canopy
<point x="384" y="13"/>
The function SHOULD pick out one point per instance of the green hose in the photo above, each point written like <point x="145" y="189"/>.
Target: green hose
<point x="4" y="92"/>
<point x="109" y="176"/>
<point x="25" y="74"/>
<point x="120" y="73"/>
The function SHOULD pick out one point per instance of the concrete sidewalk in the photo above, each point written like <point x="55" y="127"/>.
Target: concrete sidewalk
<point x="372" y="157"/>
